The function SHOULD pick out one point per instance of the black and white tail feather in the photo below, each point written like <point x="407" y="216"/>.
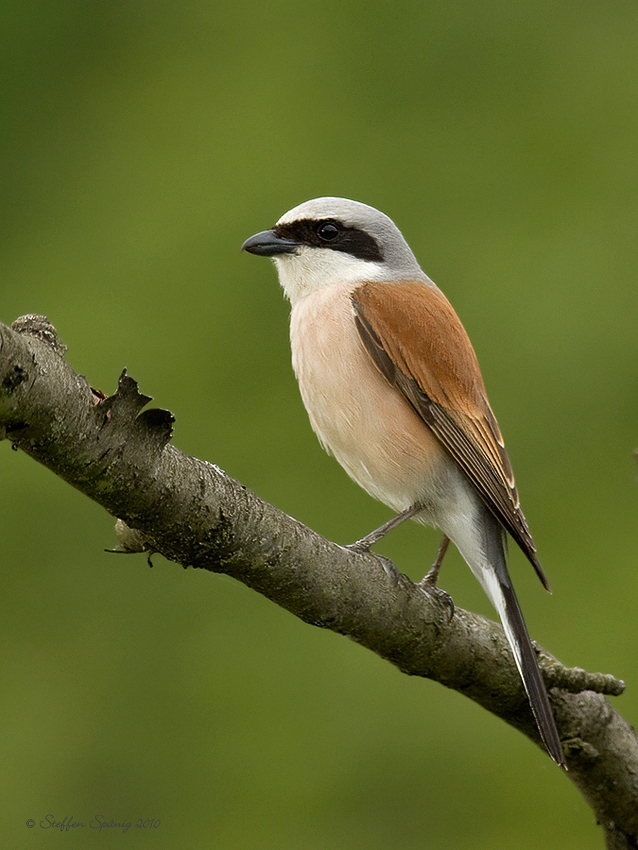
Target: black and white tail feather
<point x="495" y="580"/>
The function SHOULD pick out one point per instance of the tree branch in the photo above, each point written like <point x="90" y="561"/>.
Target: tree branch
<point x="119" y="454"/>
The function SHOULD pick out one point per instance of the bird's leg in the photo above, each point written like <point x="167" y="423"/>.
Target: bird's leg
<point x="369" y="540"/>
<point x="431" y="578"/>
<point x="428" y="583"/>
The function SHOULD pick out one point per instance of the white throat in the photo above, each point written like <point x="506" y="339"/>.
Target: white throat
<point x="311" y="269"/>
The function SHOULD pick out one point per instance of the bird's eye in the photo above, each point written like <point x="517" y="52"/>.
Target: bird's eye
<point x="328" y="230"/>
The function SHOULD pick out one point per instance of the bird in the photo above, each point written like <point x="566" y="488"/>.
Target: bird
<point x="393" y="390"/>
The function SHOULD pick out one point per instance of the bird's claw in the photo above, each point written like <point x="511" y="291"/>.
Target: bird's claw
<point x="430" y="588"/>
<point x="390" y="570"/>
<point x="361" y="547"/>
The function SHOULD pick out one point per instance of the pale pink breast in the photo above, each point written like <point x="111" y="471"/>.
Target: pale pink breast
<point x="359" y="418"/>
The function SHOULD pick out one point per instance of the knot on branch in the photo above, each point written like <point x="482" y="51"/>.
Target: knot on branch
<point x="575" y="679"/>
<point x="40" y="327"/>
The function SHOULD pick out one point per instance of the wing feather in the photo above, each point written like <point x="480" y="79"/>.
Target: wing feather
<point x="418" y="343"/>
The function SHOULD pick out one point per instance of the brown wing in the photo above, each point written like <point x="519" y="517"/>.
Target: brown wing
<point x="418" y="343"/>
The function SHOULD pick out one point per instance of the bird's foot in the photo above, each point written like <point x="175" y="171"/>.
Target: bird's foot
<point x="362" y="547"/>
<point x="390" y="570"/>
<point x="429" y="586"/>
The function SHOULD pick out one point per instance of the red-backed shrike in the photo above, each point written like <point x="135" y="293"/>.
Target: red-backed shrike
<point x="393" y="390"/>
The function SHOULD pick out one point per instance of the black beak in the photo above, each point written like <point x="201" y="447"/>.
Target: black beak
<point x="268" y="244"/>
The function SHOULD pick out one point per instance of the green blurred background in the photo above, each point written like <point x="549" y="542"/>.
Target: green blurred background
<point x="141" y="144"/>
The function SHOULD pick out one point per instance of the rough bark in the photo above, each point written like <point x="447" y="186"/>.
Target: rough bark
<point x="118" y="452"/>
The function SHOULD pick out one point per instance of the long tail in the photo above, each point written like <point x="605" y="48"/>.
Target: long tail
<point x="496" y="582"/>
<point x="525" y="657"/>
